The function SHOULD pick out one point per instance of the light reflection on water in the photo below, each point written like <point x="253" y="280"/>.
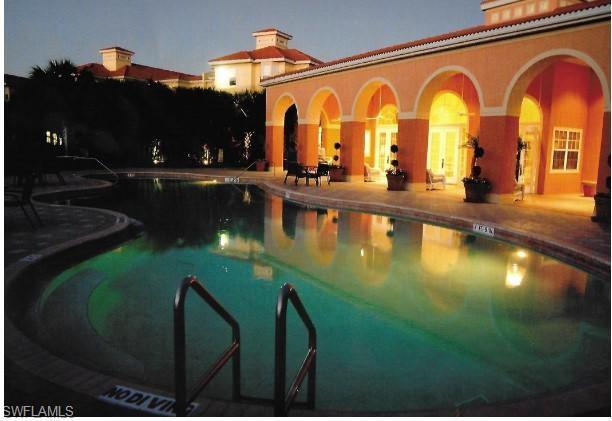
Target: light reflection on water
<point x="409" y="316"/>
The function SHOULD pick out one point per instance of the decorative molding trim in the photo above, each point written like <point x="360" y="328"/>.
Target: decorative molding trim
<point x="331" y="90"/>
<point x="346" y="119"/>
<point x="382" y="81"/>
<point x="492" y="111"/>
<point x="407" y="115"/>
<point x="304" y="121"/>
<point x="496" y="3"/>
<point x="535" y="25"/>
<point x="446" y="69"/>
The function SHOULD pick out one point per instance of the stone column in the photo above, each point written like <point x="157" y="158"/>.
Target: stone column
<point x="307" y="151"/>
<point x="351" y="153"/>
<point x="498" y="137"/>
<point x="604" y="170"/>
<point x="274" y="148"/>
<point x="412" y="141"/>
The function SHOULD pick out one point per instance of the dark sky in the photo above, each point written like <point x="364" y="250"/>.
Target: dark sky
<point x="183" y="35"/>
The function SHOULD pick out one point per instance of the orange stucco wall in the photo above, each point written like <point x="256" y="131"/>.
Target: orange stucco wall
<point x="494" y="78"/>
<point x="569" y="108"/>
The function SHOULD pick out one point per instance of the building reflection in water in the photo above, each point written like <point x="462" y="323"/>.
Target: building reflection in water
<point x="434" y="278"/>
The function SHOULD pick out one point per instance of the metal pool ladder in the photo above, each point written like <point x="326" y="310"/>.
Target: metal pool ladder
<point x="283" y="402"/>
<point x="180" y="369"/>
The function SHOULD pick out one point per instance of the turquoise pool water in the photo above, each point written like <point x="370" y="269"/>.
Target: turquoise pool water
<point x="409" y="316"/>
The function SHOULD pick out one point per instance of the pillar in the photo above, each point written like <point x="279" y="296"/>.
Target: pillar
<point x="498" y="137"/>
<point x="412" y="142"/>
<point x="604" y="169"/>
<point x="307" y="151"/>
<point x="274" y="148"/>
<point x="351" y="153"/>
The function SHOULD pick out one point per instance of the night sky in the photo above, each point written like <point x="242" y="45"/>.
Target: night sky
<point x="183" y="35"/>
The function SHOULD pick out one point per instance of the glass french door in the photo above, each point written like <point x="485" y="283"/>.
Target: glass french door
<point x="386" y="136"/>
<point x="530" y="157"/>
<point x="443" y="152"/>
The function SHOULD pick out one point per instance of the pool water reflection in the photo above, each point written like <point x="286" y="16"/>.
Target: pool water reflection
<point x="409" y="316"/>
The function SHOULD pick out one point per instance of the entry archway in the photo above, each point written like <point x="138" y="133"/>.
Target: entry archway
<point x="450" y="101"/>
<point x="324" y="111"/>
<point x="572" y="96"/>
<point x="282" y="130"/>
<point x="375" y="109"/>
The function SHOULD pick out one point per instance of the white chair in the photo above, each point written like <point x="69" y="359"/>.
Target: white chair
<point x="435" y="179"/>
<point x="369" y="173"/>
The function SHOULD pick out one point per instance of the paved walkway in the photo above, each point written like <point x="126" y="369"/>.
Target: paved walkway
<point x="570" y="236"/>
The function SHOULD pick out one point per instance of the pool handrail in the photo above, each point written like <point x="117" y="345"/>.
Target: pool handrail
<point x="180" y="365"/>
<point x="236" y="179"/>
<point x="91" y="158"/>
<point x="282" y="402"/>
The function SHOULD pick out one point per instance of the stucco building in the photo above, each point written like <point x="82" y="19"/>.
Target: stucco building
<point x="272" y="56"/>
<point x="535" y="69"/>
<point x="117" y="64"/>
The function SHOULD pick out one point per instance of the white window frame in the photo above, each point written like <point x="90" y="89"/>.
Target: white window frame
<point x="552" y="152"/>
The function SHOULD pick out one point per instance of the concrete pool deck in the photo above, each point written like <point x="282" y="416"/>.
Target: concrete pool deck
<point x="572" y="233"/>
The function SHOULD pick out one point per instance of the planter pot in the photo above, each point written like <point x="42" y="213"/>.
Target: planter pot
<point x="602" y="208"/>
<point x="396" y="182"/>
<point x="476" y="191"/>
<point x="261" y="165"/>
<point x="336" y="174"/>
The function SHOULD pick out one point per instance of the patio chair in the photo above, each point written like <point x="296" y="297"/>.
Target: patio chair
<point x="322" y="171"/>
<point x="293" y="168"/>
<point x="435" y="179"/>
<point x="299" y="171"/>
<point x="370" y="174"/>
<point x="23" y="197"/>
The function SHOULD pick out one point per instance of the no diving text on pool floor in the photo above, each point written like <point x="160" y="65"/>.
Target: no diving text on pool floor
<point x="142" y="401"/>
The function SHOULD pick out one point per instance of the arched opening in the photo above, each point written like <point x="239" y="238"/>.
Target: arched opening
<point x="290" y="123"/>
<point x="324" y="111"/>
<point x="560" y="102"/>
<point x="450" y="100"/>
<point x="528" y="152"/>
<point x="377" y="106"/>
<point x="448" y="127"/>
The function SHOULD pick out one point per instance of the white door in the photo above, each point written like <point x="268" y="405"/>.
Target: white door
<point x="530" y="157"/>
<point x="386" y="136"/>
<point x="443" y="152"/>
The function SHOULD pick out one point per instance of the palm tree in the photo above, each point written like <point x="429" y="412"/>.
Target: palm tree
<point x="57" y="70"/>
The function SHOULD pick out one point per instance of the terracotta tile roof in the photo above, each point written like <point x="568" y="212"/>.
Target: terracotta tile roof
<point x="450" y="35"/>
<point x="269" y="52"/>
<point x="138" y="71"/>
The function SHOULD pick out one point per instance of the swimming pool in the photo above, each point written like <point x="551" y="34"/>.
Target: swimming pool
<point x="409" y="316"/>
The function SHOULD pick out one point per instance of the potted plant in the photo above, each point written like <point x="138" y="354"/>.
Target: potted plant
<point x="336" y="171"/>
<point x="261" y="165"/>
<point x="396" y="177"/>
<point x="476" y="187"/>
<point x="602" y="203"/>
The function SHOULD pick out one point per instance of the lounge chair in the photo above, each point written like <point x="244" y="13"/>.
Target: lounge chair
<point x="23" y="197"/>
<point x="370" y="174"/>
<point x="435" y="179"/>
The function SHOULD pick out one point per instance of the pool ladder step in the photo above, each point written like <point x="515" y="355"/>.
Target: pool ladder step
<point x="282" y="402"/>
